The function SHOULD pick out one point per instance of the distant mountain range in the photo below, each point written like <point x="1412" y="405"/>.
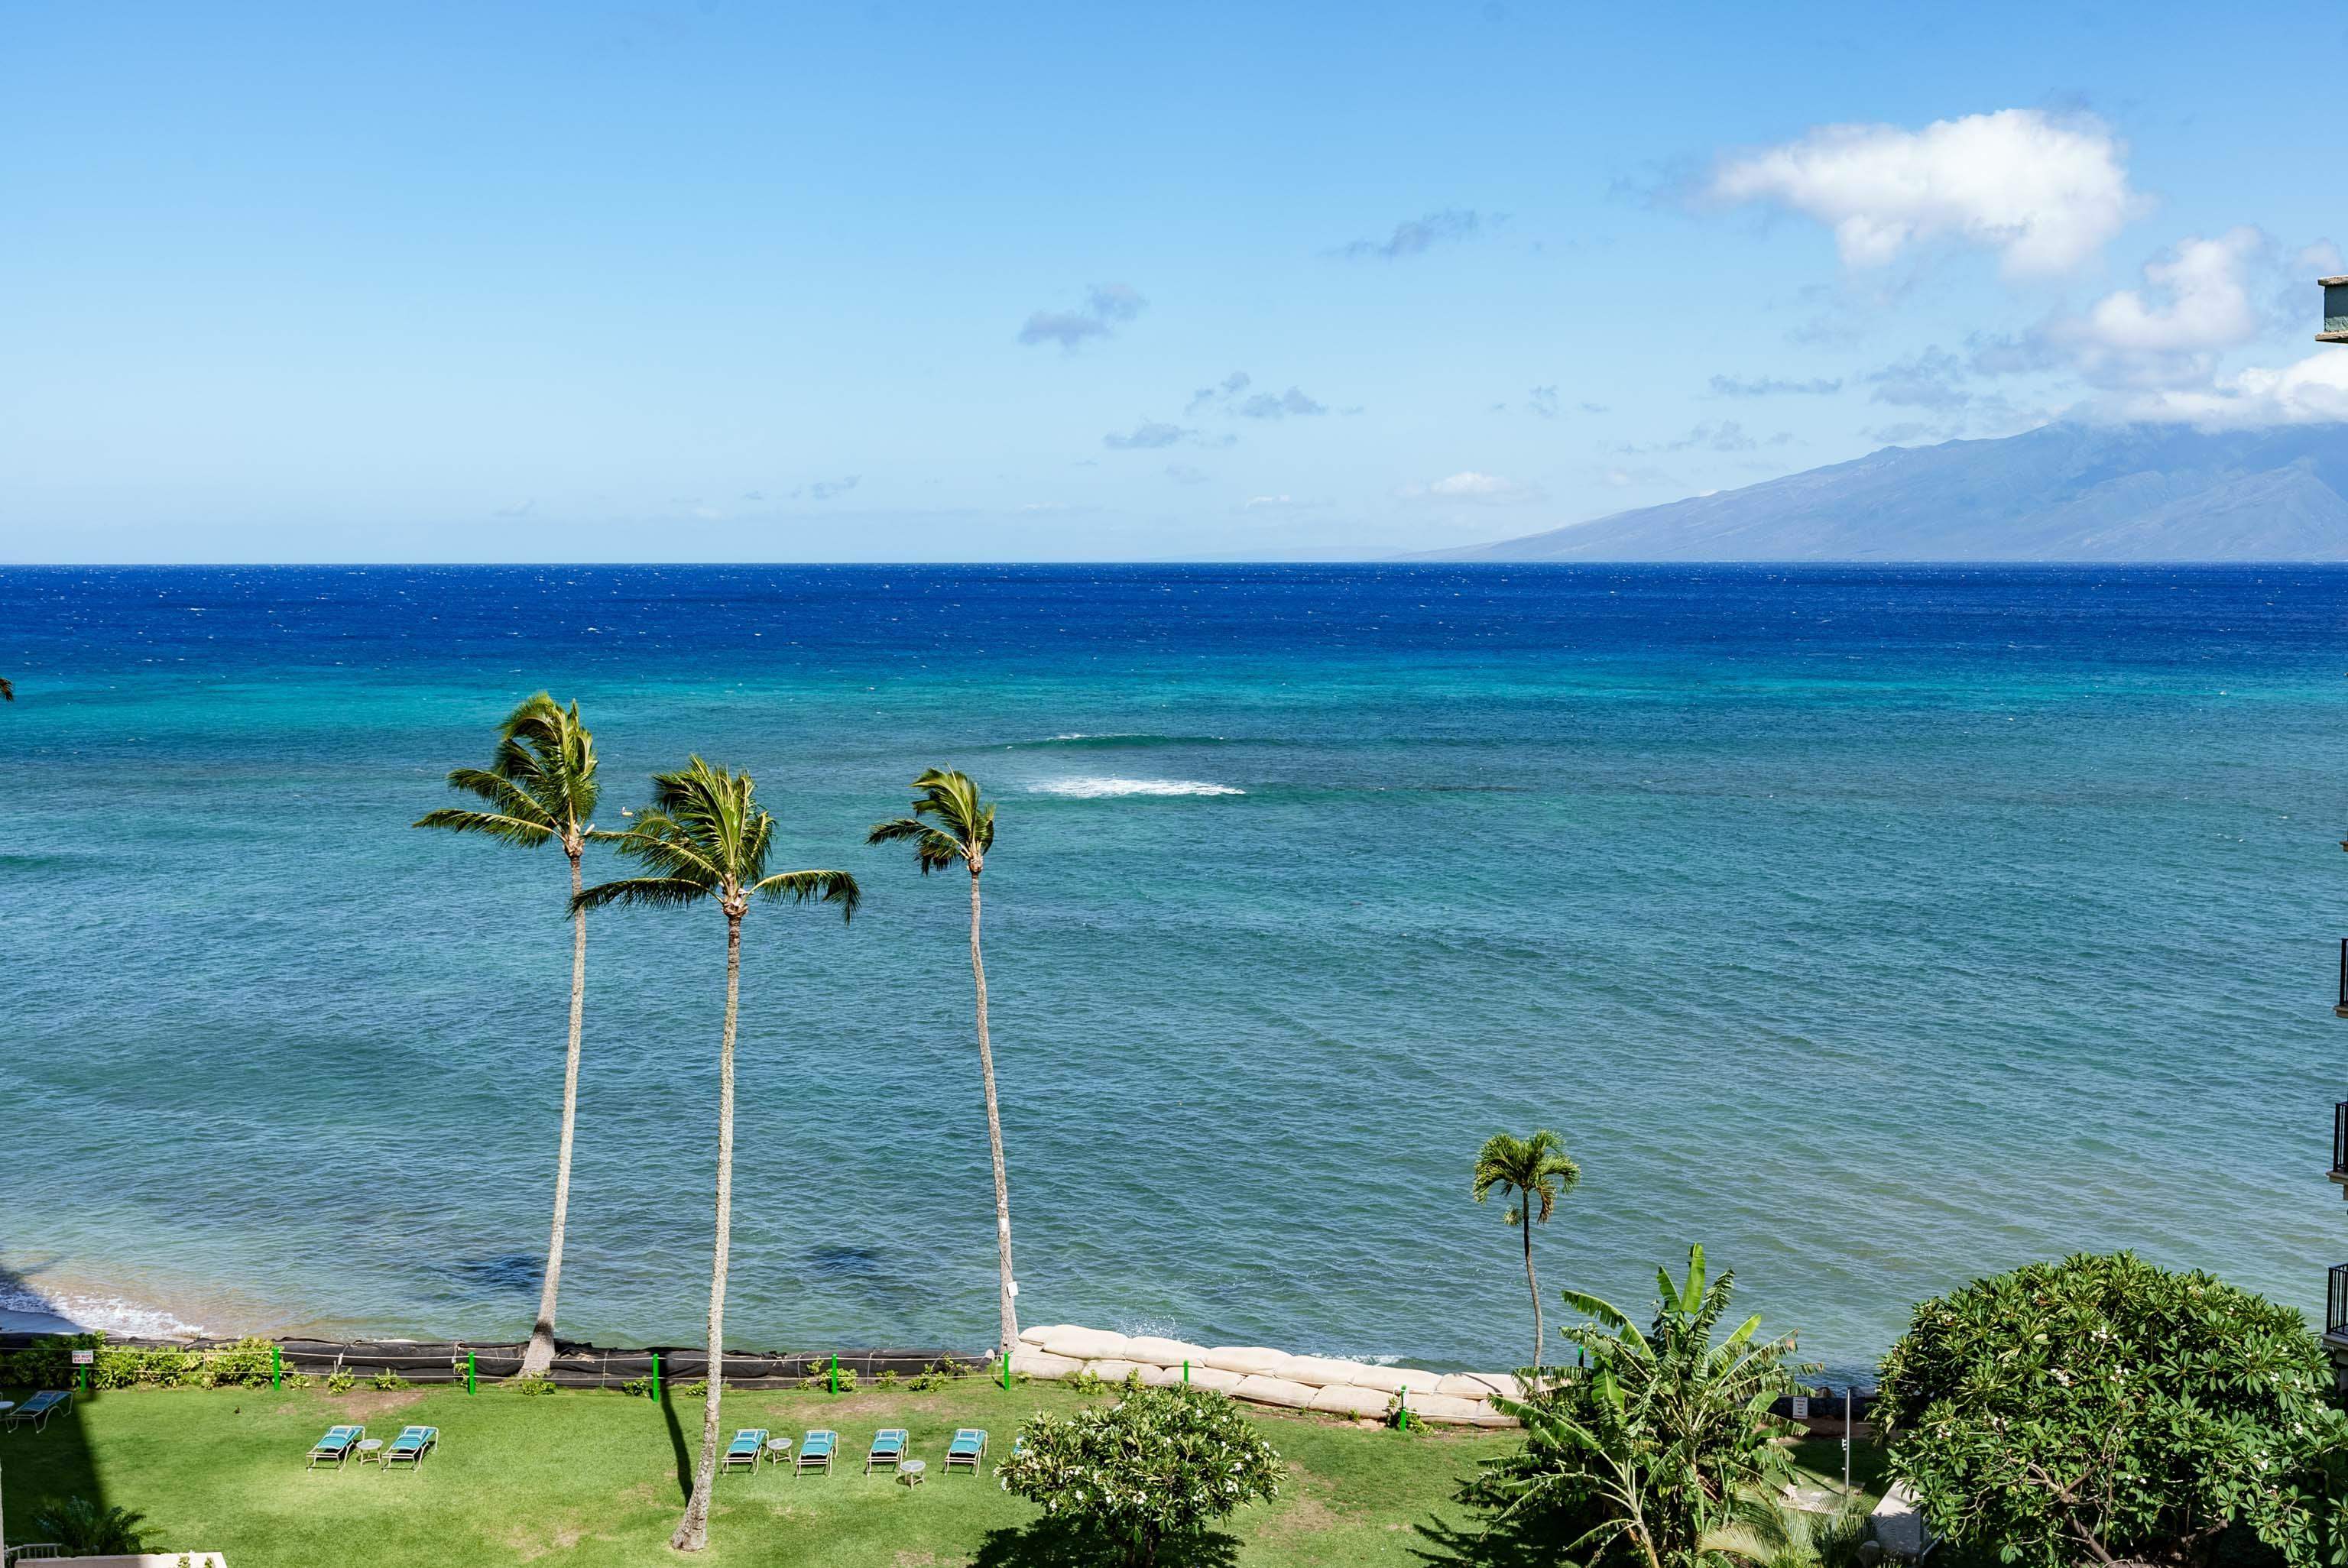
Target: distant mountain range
<point x="2063" y="492"/>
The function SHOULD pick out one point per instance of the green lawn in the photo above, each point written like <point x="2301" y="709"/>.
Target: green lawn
<point x="597" y="1478"/>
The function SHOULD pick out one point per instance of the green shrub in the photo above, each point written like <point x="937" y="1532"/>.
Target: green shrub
<point x="49" y="1364"/>
<point x="821" y="1378"/>
<point x="938" y="1373"/>
<point x="532" y="1388"/>
<point x="696" y="1389"/>
<point x="84" y="1528"/>
<point x="1160" y="1464"/>
<point x="2101" y="1408"/>
<point x="1086" y="1382"/>
<point x="387" y="1380"/>
<point x="887" y="1379"/>
<point x="341" y="1382"/>
<point x="638" y="1388"/>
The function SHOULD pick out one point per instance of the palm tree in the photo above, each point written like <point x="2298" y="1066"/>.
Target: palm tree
<point x="1537" y="1170"/>
<point x="541" y="787"/>
<point x="963" y="831"/>
<point x="704" y="837"/>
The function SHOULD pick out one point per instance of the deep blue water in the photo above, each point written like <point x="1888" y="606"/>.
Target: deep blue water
<point x="1876" y="927"/>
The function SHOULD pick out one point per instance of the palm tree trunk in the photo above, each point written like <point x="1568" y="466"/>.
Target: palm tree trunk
<point x="541" y="1354"/>
<point x="994" y="1134"/>
<point x="1534" y="1286"/>
<point x="692" y="1534"/>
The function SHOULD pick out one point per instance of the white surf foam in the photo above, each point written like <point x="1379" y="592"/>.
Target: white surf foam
<point x="104" y="1313"/>
<point x="1098" y="788"/>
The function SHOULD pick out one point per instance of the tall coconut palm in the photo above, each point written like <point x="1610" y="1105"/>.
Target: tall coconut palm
<point x="951" y="823"/>
<point x="1537" y="1170"/>
<point x="540" y="788"/>
<point x="705" y="837"/>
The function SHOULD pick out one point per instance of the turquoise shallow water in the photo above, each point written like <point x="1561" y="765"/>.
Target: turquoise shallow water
<point x="1876" y="929"/>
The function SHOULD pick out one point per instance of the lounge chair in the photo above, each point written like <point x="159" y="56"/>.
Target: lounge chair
<point x="41" y="1407"/>
<point x="744" y="1450"/>
<point x="969" y="1448"/>
<point x="335" y="1447"/>
<point x="411" y="1445"/>
<point x="888" y="1447"/>
<point x="815" y="1454"/>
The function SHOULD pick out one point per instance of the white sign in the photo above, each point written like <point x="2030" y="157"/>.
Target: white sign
<point x="85" y="1359"/>
<point x="1801" y="1407"/>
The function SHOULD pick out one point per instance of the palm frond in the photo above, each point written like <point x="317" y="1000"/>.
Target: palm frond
<point x="949" y="822"/>
<point x="652" y="891"/>
<point x="509" y="798"/>
<point x="813" y="887"/>
<point x="543" y="771"/>
<point x="512" y="830"/>
<point x="933" y="850"/>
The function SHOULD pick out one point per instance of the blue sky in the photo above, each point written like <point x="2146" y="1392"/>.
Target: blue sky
<point x="705" y="281"/>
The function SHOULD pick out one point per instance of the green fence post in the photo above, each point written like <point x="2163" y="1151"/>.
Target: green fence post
<point x="470" y="1369"/>
<point x="655" y="1376"/>
<point x="1006" y="1372"/>
<point x="276" y="1367"/>
<point x="1186" y="1371"/>
<point x="835" y="1371"/>
<point x="1403" y="1396"/>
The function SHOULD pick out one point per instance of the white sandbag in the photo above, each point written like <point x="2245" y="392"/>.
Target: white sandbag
<point x="1087" y="1343"/>
<point x="1259" y="1390"/>
<point x="1164" y="1352"/>
<point x="1346" y="1400"/>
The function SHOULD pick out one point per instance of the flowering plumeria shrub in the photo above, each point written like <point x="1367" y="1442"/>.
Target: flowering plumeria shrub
<point x="1160" y="1463"/>
<point x="2102" y="1409"/>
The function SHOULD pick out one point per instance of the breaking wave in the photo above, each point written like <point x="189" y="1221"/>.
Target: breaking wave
<point x="1101" y="788"/>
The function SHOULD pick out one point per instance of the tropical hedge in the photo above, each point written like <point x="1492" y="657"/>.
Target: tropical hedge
<point x="47" y="1363"/>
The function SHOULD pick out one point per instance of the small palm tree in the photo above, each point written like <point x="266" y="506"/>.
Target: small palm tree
<point x="951" y="823"/>
<point x="541" y="787"/>
<point x="1537" y="1170"/>
<point x="704" y="837"/>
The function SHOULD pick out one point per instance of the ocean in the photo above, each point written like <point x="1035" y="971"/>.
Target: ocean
<point x="1874" y="928"/>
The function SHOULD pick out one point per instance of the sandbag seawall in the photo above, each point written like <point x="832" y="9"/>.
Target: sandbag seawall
<point x="1266" y="1376"/>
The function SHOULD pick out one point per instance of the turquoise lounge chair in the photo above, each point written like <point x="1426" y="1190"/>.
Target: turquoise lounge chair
<point x="888" y="1447"/>
<point x="41" y="1407"/>
<point x="411" y="1445"/>
<point x="969" y="1448"/>
<point x="815" y="1452"/>
<point x="744" y="1450"/>
<point x="335" y="1447"/>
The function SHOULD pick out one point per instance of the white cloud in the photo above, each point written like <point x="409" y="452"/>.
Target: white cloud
<point x="2045" y="192"/>
<point x="1484" y="489"/>
<point x="1280" y="504"/>
<point x="2196" y="301"/>
<point x="2313" y="391"/>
